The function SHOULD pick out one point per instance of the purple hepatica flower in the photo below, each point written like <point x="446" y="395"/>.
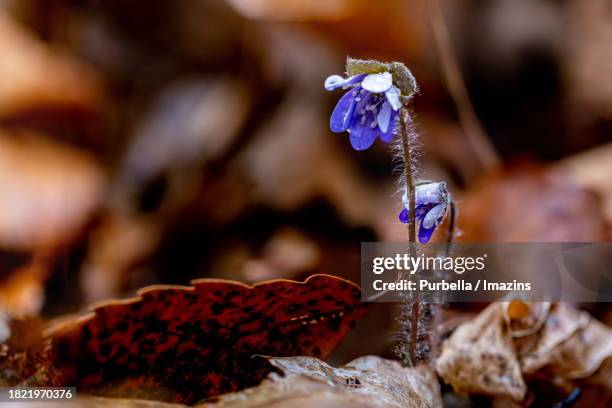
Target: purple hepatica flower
<point x="432" y="200"/>
<point x="369" y="109"/>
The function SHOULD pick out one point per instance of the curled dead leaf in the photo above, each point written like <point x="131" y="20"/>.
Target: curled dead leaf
<point x="183" y="344"/>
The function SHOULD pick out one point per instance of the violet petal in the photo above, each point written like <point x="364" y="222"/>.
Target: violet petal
<point x="434" y="216"/>
<point x="393" y="97"/>
<point x="384" y="117"/>
<point x="403" y="216"/>
<point x="388" y="135"/>
<point x="362" y="136"/>
<point x="340" y="119"/>
<point x="425" y="234"/>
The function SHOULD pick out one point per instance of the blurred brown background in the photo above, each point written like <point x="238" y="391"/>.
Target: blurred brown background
<point x="156" y="142"/>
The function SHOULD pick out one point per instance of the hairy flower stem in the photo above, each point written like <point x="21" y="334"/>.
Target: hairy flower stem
<point x="410" y="187"/>
<point x="411" y="355"/>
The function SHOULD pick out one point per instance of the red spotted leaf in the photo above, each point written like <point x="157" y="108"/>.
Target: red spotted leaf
<point x="185" y="344"/>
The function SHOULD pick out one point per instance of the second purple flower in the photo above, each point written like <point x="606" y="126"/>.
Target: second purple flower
<point x="431" y="201"/>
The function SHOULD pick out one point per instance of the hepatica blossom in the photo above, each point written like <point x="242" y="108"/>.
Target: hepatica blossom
<point x="432" y="200"/>
<point x="369" y="109"/>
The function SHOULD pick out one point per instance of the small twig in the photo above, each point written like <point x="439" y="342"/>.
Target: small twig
<point x="484" y="150"/>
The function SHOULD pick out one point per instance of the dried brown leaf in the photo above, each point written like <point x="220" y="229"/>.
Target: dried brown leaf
<point x="479" y="358"/>
<point x="577" y="357"/>
<point x="368" y="381"/>
<point x="560" y="324"/>
<point x="567" y="346"/>
<point x="183" y="344"/>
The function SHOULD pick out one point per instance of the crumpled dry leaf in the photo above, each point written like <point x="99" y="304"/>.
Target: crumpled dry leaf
<point x="577" y="357"/>
<point x="36" y="77"/>
<point x="561" y="322"/>
<point x="368" y="381"/>
<point x="479" y="358"/>
<point x="184" y="344"/>
<point x="569" y="345"/>
<point x="47" y="191"/>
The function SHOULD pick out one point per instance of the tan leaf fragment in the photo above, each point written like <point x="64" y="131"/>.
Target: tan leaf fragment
<point x="562" y="322"/>
<point x="580" y="355"/>
<point x="367" y="381"/>
<point x="570" y="345"/>
<point x="479" y="358"/>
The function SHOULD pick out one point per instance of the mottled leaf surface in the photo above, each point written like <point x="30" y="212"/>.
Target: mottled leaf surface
<point x="188" y="343"/>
